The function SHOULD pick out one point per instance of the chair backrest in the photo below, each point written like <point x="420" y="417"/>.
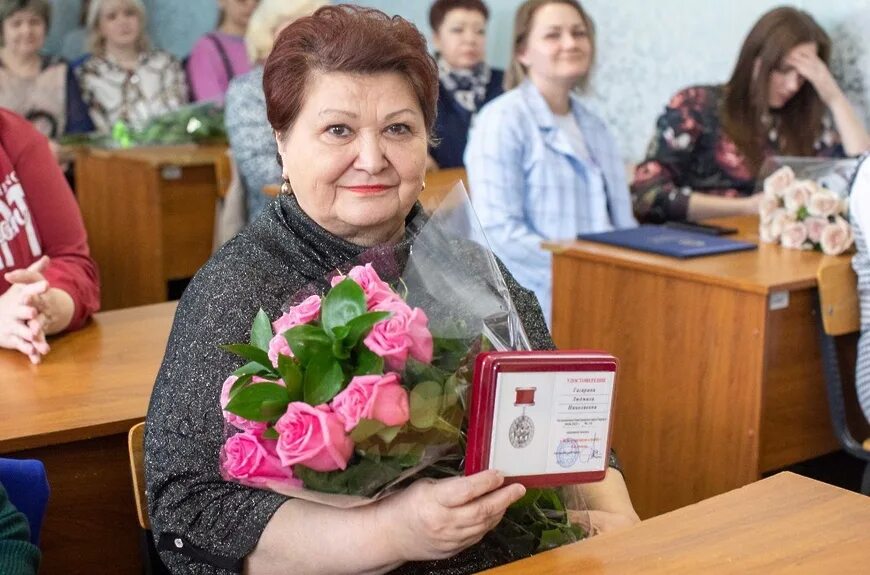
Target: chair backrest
<point x="136" y="447"/>
<point x="838" y="296"/>
<point x="439" y="183"/>
<point x="27" y="486"/>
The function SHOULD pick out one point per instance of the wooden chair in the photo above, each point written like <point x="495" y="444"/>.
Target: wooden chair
<point x="439" y="183"/>
<point x="840" y="315"/>
<point x="136" y="446"/>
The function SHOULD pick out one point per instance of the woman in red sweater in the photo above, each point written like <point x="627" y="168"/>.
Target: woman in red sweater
<point x="48" y="281"/>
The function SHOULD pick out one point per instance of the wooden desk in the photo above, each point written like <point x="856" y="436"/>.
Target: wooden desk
<point x="73" y="413"/>
<point x="720" y="379"/>
<point x="149" y="213"/>
<point x="783" y="524"/>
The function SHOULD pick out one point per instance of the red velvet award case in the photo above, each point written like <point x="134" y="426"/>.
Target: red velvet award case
<point x="544" y="418"/>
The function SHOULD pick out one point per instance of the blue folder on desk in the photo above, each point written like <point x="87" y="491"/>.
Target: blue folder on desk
<point x="668" y="241"/>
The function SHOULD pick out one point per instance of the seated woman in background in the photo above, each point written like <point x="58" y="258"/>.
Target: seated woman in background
<point x="540" y="165"/>
<point x="123" y="79"/>
<point x="48" y="281"/>
<point x="466" y="82"/>
<point x="712" y="140"/>
<point x="351" y="96"/>
<point x="859" y="211"/>
<point x="40" y="88"/>
<point x="251" y="137"/>
<point x="220" y="56"/>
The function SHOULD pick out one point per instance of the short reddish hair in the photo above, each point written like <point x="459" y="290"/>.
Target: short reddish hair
<point x="346" y="39"/>
<point x="440" y="8"/>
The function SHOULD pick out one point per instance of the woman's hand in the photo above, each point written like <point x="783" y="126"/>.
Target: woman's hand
<point x="438" y="519"/>
<point x="808" y="64"/>
<point x="56" y="307"/>
<point x="21" y="323"/>
<point x="596" y="521"/>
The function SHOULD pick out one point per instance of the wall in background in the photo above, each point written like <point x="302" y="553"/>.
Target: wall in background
<point x="646" y="50"/>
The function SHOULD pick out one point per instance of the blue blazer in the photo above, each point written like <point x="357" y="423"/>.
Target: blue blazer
<point x="453" y="122"/>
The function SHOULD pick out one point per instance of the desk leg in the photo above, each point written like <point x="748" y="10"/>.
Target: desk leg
<point x="90" y="525"/>
<point x="689" y="386"/>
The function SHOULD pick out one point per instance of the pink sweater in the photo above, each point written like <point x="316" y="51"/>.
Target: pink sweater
<point x="206" y="70"/>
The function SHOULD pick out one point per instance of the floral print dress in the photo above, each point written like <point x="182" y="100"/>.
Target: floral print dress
<point x="690" y="152"/>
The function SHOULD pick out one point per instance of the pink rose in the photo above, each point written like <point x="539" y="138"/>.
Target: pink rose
<point x="405" y="332"/>
<point x="235" y="420"/>
<point x="814" y="228"/>
<point x="378" y="397"/>
<point x="836" y="237"/>
<point x="251" y="460"/>
<point x="305" y="312"/>
<point x="776" y="183"/>
<point x="798" y="194"/>
<point x="823" y="203"/>
<point x="794" y="235"/>
<point x="767" y="207"/>
<point x="375" y="289"/>
<point x="313" y="437"/>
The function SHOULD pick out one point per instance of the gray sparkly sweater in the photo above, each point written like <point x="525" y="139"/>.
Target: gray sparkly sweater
<point x="203" y="524"/>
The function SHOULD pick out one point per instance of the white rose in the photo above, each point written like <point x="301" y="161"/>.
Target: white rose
<point x="823" y="203"/>
<point x="836" y="237"/>
<point x="767" y="207"/>
<point x="776" y="183"/>
<point x="778" y="221"/>
<point x="765" y="233"/>
<point x="798" y="194"/>
<point x="814" y="228"/>
<point x="794" y="234"/>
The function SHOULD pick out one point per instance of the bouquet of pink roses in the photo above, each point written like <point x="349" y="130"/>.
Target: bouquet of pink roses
<point x="351" y="394"/>
<point x="805" y="205"/>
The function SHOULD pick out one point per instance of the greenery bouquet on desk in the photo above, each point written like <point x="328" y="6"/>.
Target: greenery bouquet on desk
<point x="805" y="204"/>
<point x="201" y="123"/>
<point x="361" y="386"/>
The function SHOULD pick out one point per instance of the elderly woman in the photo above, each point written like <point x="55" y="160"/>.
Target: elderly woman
<point x="254" y="149"/>
<point x="220" y="56"/>
<point x="711" y="141"/>
<point x="37" y="87"/>
<point x="351" y="96"/>
<point x="541" y="165"/>
<point x="48" y="281"/>
<point x="465" y="81"/>
<point x="123" y="79"/>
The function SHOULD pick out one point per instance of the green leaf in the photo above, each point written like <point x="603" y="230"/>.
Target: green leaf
<point x="292" y="377"/>
<point x="344" y="302"/>
<point x="530" y="498"/>
<point x="323" y="380"/>
<point x="360" y="326"/>
<point x="426" y="401"/>
<point x="249" y="352"/>
<point x="261" y="331"/>
<point x="365" y="429"/>
<point x="338" y="348"/>
<point x="239" y="385"/>
<point x="552" y="538"/>
<point x="270" y="433"/>
<point x="308" y="342"/>
<point x="388" y="434"/>
<point x="259" y="402"/>
<point x="365" y="477"/>
<point x="341" y="332"/>
<point x="254" y="368"/>
<point x="368" y="362"/>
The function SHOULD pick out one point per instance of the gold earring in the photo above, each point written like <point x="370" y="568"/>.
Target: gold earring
<point x="424" y="187"/>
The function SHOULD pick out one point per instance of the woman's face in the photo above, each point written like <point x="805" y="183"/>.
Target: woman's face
<point x="461" y="38"/>
<point x="558" y="47"/>
<point x="356" y="154"/>
<point x="238" y="11"/>
<point x="119" y="24"/>
<point x="784" y="81"/>
<point x="24" y="32"/>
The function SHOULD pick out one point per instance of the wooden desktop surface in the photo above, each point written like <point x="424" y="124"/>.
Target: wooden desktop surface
<point x="73" y="412"/>
<point x="769" y="268"/>
<point x="720" y="376"/>
<point x="782" y="524"/>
